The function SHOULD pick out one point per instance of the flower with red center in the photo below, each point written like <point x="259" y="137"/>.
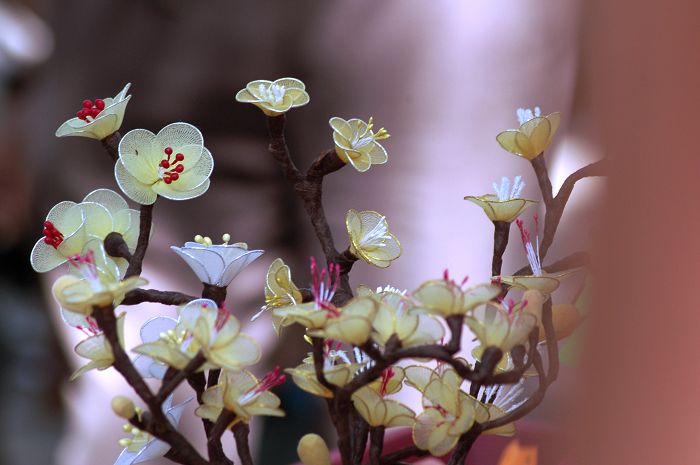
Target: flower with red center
<point x="242" y="393"/>
<point x="97" y="349"/>
<point x="173" y="164"/>
<point x="98" y="119"/>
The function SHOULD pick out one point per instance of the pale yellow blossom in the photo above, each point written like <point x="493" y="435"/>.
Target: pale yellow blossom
<point x="99" y="119"/>
<point x="506" y="204"/>
<point x="173" y="164"/>
<point x="280" y="291"/>
<point x="337" y="369"/>
<point x="370" y="238"/>
<point x="534" y="135"/>
<point x="356" y="142"/>
<point x="496" y="326"/>
<point x="445" y="297"/>
<point x="97" y="349"/>
<point x="274" y="98"/>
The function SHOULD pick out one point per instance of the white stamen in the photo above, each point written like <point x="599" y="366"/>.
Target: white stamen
<point x="533" y="258"/>
<point x="273" y="94"/>
<point x="504" y="191"/>
<point x="377" y="236"/>
<point x="526" y="114"/>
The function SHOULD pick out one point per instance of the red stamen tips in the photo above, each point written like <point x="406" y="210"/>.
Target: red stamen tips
<point x="446" y="275"/>
<point x="167" y="180"/>
<point x="87" y="104"/>
<point x="52" y="236"/>
<point x="175" y="168"/>
<point x="179" y="157"/>
<point x="386" y="376"/>
<point x="174" y="176"/>
<point x="100" y="104"/>
<point x="165" y="164"/>
<point x="179" y="168"/>
<point x="168" y="151"/>
<point x="90" y="110"/>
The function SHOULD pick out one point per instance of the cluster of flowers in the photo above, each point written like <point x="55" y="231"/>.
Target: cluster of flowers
<point x="175" y="164"/>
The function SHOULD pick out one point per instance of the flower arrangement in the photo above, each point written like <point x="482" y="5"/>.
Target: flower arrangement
<point x="365" y="346"/>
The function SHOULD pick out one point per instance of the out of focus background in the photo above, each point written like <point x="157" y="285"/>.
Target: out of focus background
<point x="444" y="77"/>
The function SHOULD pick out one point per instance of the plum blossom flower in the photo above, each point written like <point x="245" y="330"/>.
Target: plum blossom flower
<point x="242" y="393"/>
<point x="534" y="135"/>
<point x="356" y="142"/>
<point x="216" y="264"/>
<point x="445" y="297"/>
<point x="497" y="401"/>
<point x="506" y="205"/>
<point x="338" y="370"/>
<point x="69" y="226"/>
<point x="173" y="164"/>
<point x="151" y="331"/>
<point x="280" y="291"/>
<point x="370" y="238"/>
<point x="98" y="284"/>
<point x="97" y="348"/>
<point x="376" y="409"/>
<point x="98" y="119"/>
<point x="141" y="446"/>
<point x="274" y="98"/>
<point x="504" y="327"/>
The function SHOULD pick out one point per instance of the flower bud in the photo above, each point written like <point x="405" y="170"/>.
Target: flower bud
<point x="312" y="450"/>
<point x="123" y="407"/>
<point x="565" y="319"/>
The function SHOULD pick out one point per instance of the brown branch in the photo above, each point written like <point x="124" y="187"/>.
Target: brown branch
<point x="376" y="435"/>
<point x="214" y="446"/>
<point x="240" y="433"/>
<point x="145" y="221"/>
<point x="359" y="436"/>
<point x="215" y="293"/>
<point x="464" y="445"/>
<point x="317" y="352"/>
<point x="180" y="375"/>
<point x="138" y="296"/>
<point x="406" y="452"/>
<point x="501" y="232"/>
<point x="111" y="145"/>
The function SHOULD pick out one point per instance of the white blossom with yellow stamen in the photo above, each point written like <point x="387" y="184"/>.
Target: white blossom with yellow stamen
<point x="356" y="142"/>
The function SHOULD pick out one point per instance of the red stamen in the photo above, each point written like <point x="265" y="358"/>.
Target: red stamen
<point x="167" y="180"/>
<point x="179" y="157"/>
<point x="87" y="104"/>
<point x="386" y="376"/>
<point x="179" y="168"/>
<point x="174" y="176"/>
<point x="52" y="236"/>
<point x="168" y="151"/>
<point x="100" y="104"/>
<point x="165" y="164"/>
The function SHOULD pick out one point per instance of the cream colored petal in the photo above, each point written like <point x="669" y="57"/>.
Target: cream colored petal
<point x="140" y="154"/>
<point x="94" y="348"/>
<point x="437" y="296"/>
<point x="245" y="96"/>
<point x="418" y="376"/>
<point x="195" y="174"/>
<point x="480" y="294"/>
<point x="538" y="131"/>
<point x="308" y="383"/>
<point x="554" y="119"/>
<point x="360" y="161"/>
<point x="98" y="220"/>
<point x="545" y="284"/>
<point x="163" y="353"/>
<point x="126" y="222"/>
<point x="178" y="136"/>
<point x="378" y="155"/>
<point x="254" y="87"/>
<point x="44" y="257"/>
<point x="428" y="331"/>
<point x="299" y="97"/>
<point x="398" y="414"/>
<point x="208" y="412"/>
<point x="93" y="365"/>
<point x="134" y="189"/>
<point x="243" y="351"/>
<point x="290" y="83"/>
<point x="342" y="128"/>
<point x="67" y="217"/>
<point x="109" y="199"/>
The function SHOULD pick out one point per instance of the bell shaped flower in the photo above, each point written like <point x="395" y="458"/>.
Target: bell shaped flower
<point x="534" y="135"/>
<point x="69" y="226"/>
<point x="141" y="446"/>
<point x="356" y="142"/>
<point x="274" y="98"/>
<point x="98" y="284"/>
<point x="338" y="370"/>
<point x="397" y="315"/>
<point x="504" y="327"/>
<point x="506" y="204"/>
<point x="373" y="405"/>
<point x="97" y="349"/>
<point x="173" y="164"/>
<point x="370" y="238"/>
<point x="445" y="297"/>
<point x="216" y="264"/>
<point x="242" y="393"/>
<point x="98" y="119"/>
<point x="280" y="291"/>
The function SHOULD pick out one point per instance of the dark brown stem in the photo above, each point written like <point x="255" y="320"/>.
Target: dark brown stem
<point x="551" y="342"/>
<point x="376" y="437"/>
<point x="466" y="441"/>
<point x="138" y="296"/>
<point x="115" y="246"/>
<point x="406" y="452"/>
<point x="240" y="433"/>
<point x="317" y="352"/>
<point x="455" y="323"/>
<point x="540" y="166"/>
<point x="111" y="145"/>
<point x="145" y="221"/>
<point x="180" y="375"/>
<point x="501" y="232"/>
<point x="215" y="293"/>
<point x="214" y="447"/>
<point x="213" y="377"/>
<point x="359" y="436"/>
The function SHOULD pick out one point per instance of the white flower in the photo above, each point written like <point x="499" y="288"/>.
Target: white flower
<point x="151" y="331"/>
<point x="216" y="264"/>
<point x="142" y="446"/>
<point x="98" y="119"/>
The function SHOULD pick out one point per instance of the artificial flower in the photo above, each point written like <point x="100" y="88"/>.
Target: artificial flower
<point x="506" y="205"/>
<point x="498" y="401"/>
<point x="274" y="98"/>
<point x="565" y="319"/>
<point x="397" y="315"/>
<point x="216" y="264"/>
<point x="534" y="135"/>
<point x="98" y="350"/>
<point x="370" y="238"/>
<point x="313" y="450"/>
<point x="151" y="332"/>
<point x="377" y="410"/>
<point x="448" y="412"/>
<point x="141" y="446"/>
<point x="496" y="326"/>
<point x="69" y="226"/>
<point x="280" y="291"/>
<point x="98" y="285"/>
<point x="242" y="393"/>
<point x="338" y="370"/>
<point x="445" y="297"/>
<point x="539" y="280"/>
<point x="356" y="142"/>
<point x="98" y="119"/>
<point x="173" y="164"/>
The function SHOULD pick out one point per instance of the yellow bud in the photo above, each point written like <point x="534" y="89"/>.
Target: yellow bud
<point x="123" y="407"/>
<point x="199" y="239"/>
<point x="126" y="427"/>
<point x="207" y="241"/>
<point x="565" y="319"/>
<point x="125" y="442"/>
<point x="226" y="237"/>
<point x="313" y="450"/>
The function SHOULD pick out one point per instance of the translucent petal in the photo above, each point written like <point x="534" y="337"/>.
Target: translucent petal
<point x="134" y="189"/>
<point x="242" y="352"/>
<point x="94" y="348"/>
<point x="524" y="147"/>
<point x="299" y="97"/>
<point x="378" y="155"/>
<point x="254" y="87"/>
<point x="343" y="143"/>
<point x="126" y="457"/>
<point x="44" y="257"/>
<point x="480" y="294"/>
<point x="126" y="222"/>
<point x="98" y="220"/>
<point x="341" y="127"/>
<point x="140" y="153"/>
<point x="245" y="96"/>
<point x="418" y="376"/>
<point x="177" y="136"/>
<point x="169" y="193"/>
<point x="153" y="328"/>
<point x="437" y="296"/>
<point x="163" y="353"/>
<point x="290" y="83"/>
<point x="360" y="161"/>
<point x="538" y="131"/>
<point x="109" y="199"/>
<point x="153" y="449"/>
<point x="205" y="264"/>
<point x="237" y="265"/>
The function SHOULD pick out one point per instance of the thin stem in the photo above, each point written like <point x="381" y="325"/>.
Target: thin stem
<point x="181" y="375"/>
<point x="240" y="433"/>
<point x="376" y="436"/>
<point x="138" y="296"/>
<point x="111" y="145"/>
<point x="359" y="436"/>
<point x="145" y="221"/>
<point x="214" y="447"/>
<point x="501" y="231"/>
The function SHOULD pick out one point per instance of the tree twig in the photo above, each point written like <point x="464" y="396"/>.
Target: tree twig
<point x="138" y="296"/>
<point x="145" y="221"/>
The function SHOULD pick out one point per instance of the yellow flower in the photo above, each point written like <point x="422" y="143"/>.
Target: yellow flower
<point x="351" y="324"/>
<point x="274" y="98"/>
<point x="98" y="119"/>
<point x="356" y="142"/>
<point x="534" y="135"/>
<point x="370" y="238"/>
<point x="506" y="205"/>
<point x="99" y="284"/>
<point x="496" y="326"/>
<point x="97" y="349"/>
<point x="445" y="297"/>
<point x="242" y="393"/>
<point x="338" y="370"/>
<point x="312" y="450"/>
<point x="173" y="164"/>
<point x="379" y="411"/>
<point x="280" y="291"/>
<point x="397" y="315"/>
<point x="497" y="401"/>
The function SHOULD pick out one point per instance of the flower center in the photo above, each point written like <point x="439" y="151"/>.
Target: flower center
<point x="504" y="192"/>
<point x="270" y="380"/>
<point x="324" y="285"/>
<point x="85" y="265"/>
<point x="386" y="376"/>
<point x="91" y="329"/>
<point x="138" y="440"/>
<point x="361" y="139"/>
<point x="526" y="114"/>
<point x="533" y="252"/>
<point x="172" y="337"/>
<point x="52" y="236"/>
<point x="90" y="110"/>
<point x="377" y="235"/>
<point x="169" y="169"/>
<point x="273" y="94"/>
